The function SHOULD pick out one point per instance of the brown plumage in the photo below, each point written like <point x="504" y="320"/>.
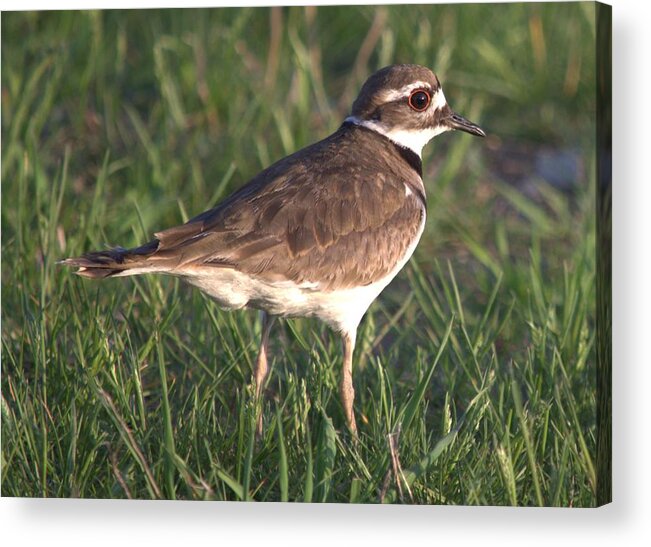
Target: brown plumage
<point x="319" y="233"/>
<point x="294" y="222"/>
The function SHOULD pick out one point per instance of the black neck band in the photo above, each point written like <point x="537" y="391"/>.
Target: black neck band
<point x="410" y="157"/>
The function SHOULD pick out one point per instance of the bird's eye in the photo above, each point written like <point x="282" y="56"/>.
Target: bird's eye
<point x="419" y="100"/>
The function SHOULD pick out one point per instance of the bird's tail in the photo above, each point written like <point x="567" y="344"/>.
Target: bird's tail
<point x="117" y="262"/>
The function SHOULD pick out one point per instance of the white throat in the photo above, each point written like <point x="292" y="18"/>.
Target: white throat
<point x="414" y="139"/>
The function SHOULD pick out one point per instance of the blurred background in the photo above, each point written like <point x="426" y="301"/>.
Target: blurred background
<point x="189" y="104"/>
<point x="116" y="124"/>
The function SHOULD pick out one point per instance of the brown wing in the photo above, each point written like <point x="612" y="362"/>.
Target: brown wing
<point x="316" y="216"/>
<point x="346" y="222"/>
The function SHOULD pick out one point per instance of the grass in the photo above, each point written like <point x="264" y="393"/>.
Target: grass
<point x="475" y="369"/>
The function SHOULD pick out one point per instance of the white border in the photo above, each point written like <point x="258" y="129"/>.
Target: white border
<point x="624" y="522"/>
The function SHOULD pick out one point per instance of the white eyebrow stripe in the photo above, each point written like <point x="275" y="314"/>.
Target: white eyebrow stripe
<point x="404" y="91"/>
<point x="438" y="98"/>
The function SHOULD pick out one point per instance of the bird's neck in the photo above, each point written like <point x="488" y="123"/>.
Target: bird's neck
<point x="412" y="158"/>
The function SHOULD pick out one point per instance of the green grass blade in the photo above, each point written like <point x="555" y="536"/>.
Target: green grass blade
<point x="283" y="471"/>
<point x="417" y="397"/>
<point x="326" y="450"/>
<point x="412" y="474"/>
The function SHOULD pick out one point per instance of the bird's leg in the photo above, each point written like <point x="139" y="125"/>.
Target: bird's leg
<point x="346" y="390"/>
<point x="262" y="366"/>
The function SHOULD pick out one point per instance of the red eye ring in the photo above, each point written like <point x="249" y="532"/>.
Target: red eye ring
<point x="419" y="100"/>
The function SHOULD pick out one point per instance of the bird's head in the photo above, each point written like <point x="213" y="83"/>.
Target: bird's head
<point x="406" y="103"/>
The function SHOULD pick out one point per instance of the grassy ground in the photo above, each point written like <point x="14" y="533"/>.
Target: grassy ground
<point x="477" y="363"/>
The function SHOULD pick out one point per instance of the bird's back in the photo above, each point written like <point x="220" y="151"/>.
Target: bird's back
<point x="344" y="219"/>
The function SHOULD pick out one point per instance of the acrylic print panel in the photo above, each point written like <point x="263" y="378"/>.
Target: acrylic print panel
<point x="481" y="374"/>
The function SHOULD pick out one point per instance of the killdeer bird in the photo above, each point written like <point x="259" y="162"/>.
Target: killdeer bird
<point x="319" y="233"/>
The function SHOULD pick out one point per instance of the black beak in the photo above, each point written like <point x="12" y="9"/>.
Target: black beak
<point x="455" y="121"/>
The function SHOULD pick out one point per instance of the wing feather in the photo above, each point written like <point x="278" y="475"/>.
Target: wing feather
<point x="345" y="223"/>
